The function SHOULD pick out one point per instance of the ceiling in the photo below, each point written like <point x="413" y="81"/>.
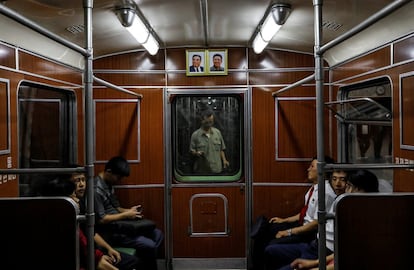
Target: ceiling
<point x="212" y="23"/>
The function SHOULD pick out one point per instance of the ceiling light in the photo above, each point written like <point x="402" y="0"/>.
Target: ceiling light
<point x="137" y="28"/>
<point x="275" y="18"/>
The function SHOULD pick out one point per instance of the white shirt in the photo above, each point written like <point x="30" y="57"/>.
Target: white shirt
<point x="312" y="211"/>
<point x="329" y="227"/>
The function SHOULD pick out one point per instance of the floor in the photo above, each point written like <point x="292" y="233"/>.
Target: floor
<point x="206" y="264"/>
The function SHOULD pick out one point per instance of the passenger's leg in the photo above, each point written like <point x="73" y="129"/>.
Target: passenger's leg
<point x="279" y="255"/>
<point x="128" y="262"/>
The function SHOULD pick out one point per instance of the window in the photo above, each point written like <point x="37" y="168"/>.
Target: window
<point x="47" y="130"/>
<point x="364" y="113"/>
<point x="206" y="132"/>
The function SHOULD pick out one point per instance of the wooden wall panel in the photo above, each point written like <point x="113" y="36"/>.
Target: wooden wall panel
<point x="403" y="50"/>
<point x="375" y="60"/>
<point x="296" y="128"/>
<point x="265" y="166"/>
<point x="280" y="59"/>
<point x="233" y="78"/>
<point x="11" y="188"/>
<point x="132" y="79"/>
<point x="150" y="169"/>
<point x="134" y="61"/>
<point x="407" y="111"/>
<point x="117" y="129"/>
<point x="7" y="56"/>
<point x="4" y="117"/>
<point x="224" y="247"/>
<point x="282" y="201"/>
<point x="277" y="77"/>
<point x="40" y="66"/>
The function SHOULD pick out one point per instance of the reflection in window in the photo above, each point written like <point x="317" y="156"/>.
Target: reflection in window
<point x="365" y="117"/>
<point x="47" y="131"/>
<point x="207" y="137"/>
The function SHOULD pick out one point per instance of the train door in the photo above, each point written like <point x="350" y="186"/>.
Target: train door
<point x="207" y="179"/>
<point x="47" y="130"/>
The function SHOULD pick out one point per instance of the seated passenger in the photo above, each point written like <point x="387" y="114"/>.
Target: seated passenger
<point x="124" y="261"/>
<point x="281" y="257"/>
<point x="301" y="227"/>
<point x="62" y="186"/>
<point x="108" y="210"/>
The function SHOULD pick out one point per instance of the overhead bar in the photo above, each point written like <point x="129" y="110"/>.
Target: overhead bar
<point x="293" y="85"/>
<point x="113" y="86"/>
<point x="365" y="24"/>
<point x="34" y="26"/>
<point x="204" y="19"/>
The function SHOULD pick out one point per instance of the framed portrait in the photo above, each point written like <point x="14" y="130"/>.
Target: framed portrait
<point x="217" y="62"/>
<point x="196" y="62"/>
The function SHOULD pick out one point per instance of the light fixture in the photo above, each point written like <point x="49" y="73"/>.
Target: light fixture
<point x="135" y="25"/>
<point x="275" y="18"/>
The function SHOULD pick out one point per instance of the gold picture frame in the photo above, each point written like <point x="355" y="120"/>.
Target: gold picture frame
<point x="206" y="62"/>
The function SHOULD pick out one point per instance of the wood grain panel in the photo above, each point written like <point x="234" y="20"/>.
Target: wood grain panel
<point x="407" y="111"/>
<point x="150" y="169"/>
<point x="132" y="61"/>
<point x="403" y="50"/>
<point x="296" y="130"/>
<point x="132" y="79"/>
<point x="403" y="180"/>
<point x="279" y="59"/>
<point x="280" y="201"/>
<point x="11" y="188"/>
<point x="265" y="167"/>
<point x="233" y="78"/>
<point x="40" y="66"/>
<point x="7" y="56"/>
<point x="220" y="246"/>
<point x="375" y="60"/>
<point x="4" y="117"/>
<point x="278" y="77"/>
<point x="116" y="126"/>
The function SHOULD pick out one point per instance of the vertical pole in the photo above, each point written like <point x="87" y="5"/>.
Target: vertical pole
<point x="320" y="133"/>
<point x="88" y="81"/>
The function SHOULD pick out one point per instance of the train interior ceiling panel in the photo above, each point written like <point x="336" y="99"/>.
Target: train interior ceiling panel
<point x="219" y="108"/>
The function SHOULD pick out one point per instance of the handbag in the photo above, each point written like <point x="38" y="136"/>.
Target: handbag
<point x="134" y="227"/>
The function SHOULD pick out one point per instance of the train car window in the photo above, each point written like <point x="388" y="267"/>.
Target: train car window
<point x="4" y="117"/>
<point x="364" y="112"/>
<point x="47" y="130"/>
<point x="207" y="138"/>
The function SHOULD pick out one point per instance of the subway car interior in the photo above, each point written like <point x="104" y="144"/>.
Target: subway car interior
<point x="222" y="110"/>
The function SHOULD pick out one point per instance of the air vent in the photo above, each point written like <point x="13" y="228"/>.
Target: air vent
<point x="75" y="29"/>
<point x="333" y="26"/>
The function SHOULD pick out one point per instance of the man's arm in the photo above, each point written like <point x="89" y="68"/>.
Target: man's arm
<point x="226" y="163"/>
<point x="283" y="220"/>
<point x="119" y="216"/>
<point x="308" y="227"/>
<point x="124" y="213"/>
